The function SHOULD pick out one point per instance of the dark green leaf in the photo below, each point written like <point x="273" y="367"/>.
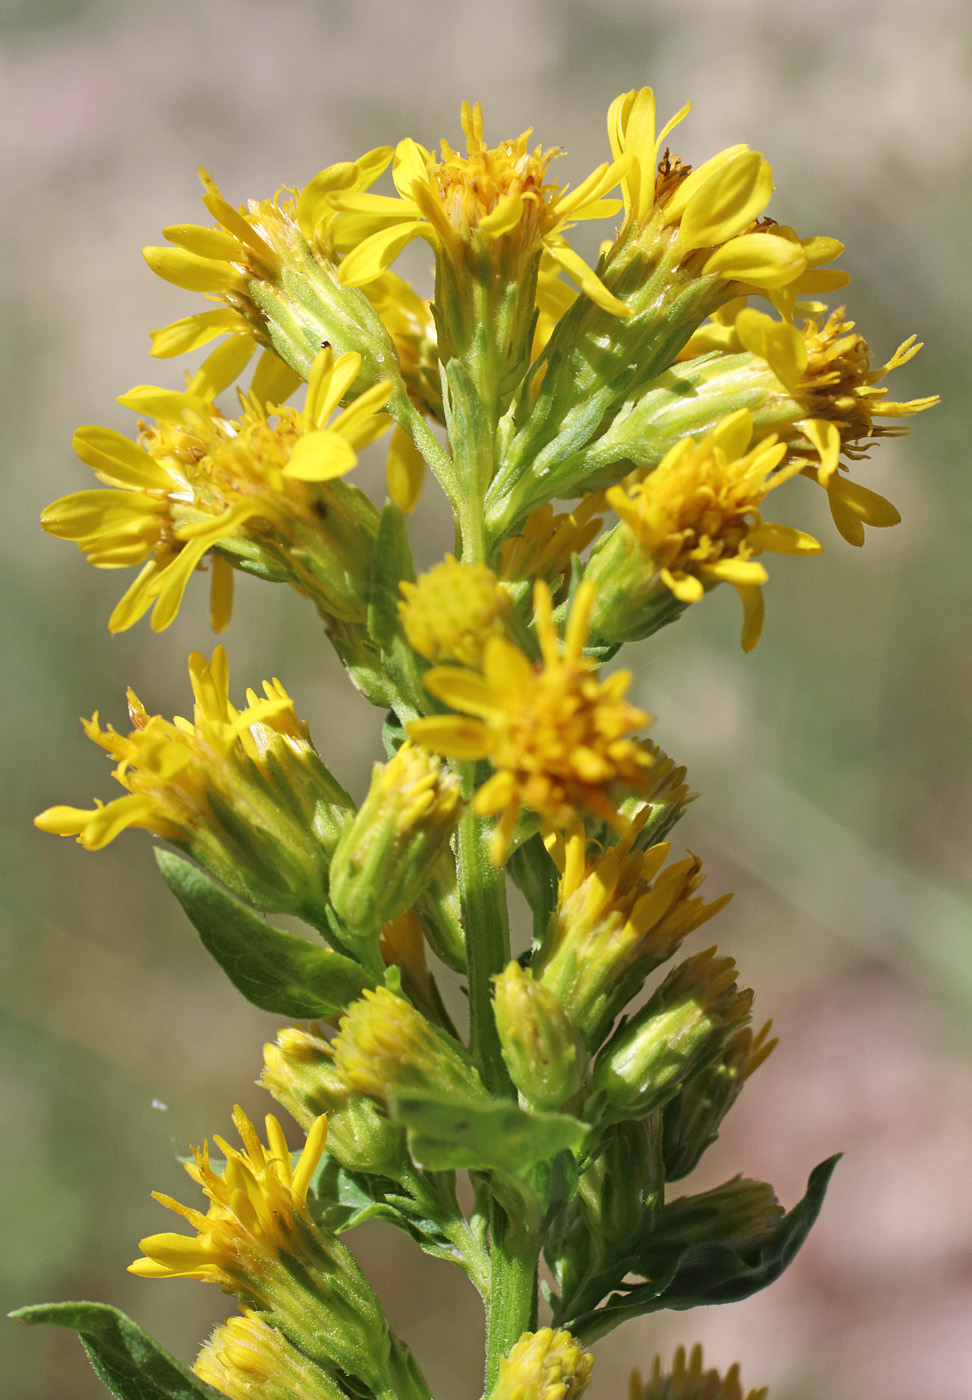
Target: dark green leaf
<point x="493" y="1135"/>
<point x="276" y="971"/>
<point x="705" y="1274"/>
<point x="130" y="1363"/>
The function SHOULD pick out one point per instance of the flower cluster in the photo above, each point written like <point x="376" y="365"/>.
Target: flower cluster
<point x="607" y="445"/>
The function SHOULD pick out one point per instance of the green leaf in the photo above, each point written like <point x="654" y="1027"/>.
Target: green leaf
<point x="131" y="1364"/>
<point x="276" y="971"/>
<point x="704" y="1274"/>
<point x="493" y="1135"/>
<point x="392" y="563"/>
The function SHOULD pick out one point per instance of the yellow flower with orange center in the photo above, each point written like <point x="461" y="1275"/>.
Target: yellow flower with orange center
<point x="696" y="516"/>
<point x="826" y="367"/>
<point x="501" y="193"/>
<point x="557" y="735"/>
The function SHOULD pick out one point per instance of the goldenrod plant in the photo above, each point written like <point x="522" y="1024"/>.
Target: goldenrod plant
<point x="607" y="433"/>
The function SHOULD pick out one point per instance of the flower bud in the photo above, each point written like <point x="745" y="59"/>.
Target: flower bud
<point x="692" y="1119"/>
<point x="544" y="1365"/>
<point x="386" y="1048"/>
<point x="682" y="1028"/>
<point x="450" y="611"/>
<point x="543" y="1052"/>
<point x="387" y="853"/>
<point x="299" y="1072"/>
<point x="740" y="1214"/>
<point x="248" y="1360"/>
<point x="687" y="1381"/>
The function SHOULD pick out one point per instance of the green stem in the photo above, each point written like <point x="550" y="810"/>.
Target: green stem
<point x="513" y="1295"/>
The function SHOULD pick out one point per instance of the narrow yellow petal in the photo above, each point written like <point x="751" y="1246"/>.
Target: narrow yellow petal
<point x="585" y="277"/>
<point x="220" y="594"/>
<point x="777" y="342"/>
<point x="213" y="243"/>
<point x="191" y="332"/>
<point x="222" y="367"/>
<point x="462" y="690"/>
<point x="738" y="571"/>
<point x="452" y="736"/>
<point x="320" y="456"/>
<point x="405" y="471"/>
<point x="190" y="271"/>
<point x="328" y="383"/>
<point x="727" y="201"/>
<point x="273" y="380"/>
<point x="118" y="458"/>
<point x="758" y="260"/>
<point x="754" y="610"/>
<point x="782" y="539"/>
<point x="377" y="253"/>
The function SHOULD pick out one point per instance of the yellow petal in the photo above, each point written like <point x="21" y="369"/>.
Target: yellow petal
<point x="118" y="458"/>
<point x="754" y="610"/>
<point x="462" y="690"/>
<point x="505" y="216"/>
<point x="405" y="471"/>
<point x="377" y="253"/>
<point x="733" y="434"/>
<point x="758" y="260"/>
<point x="853" y="506"/>
<point x="686" y="588"/>
<point x="825" y="437"/>
<point x="362" y="422"/>
<point x="190" y="271"/>
<point x="168" y="404"/>
<point x="320" y="456"/>
<point x="213" y="243"/>
<point x="223" y="367"/>
<point x="327" y="384"/>
<point x="778" y="343"/>
<point x="737" y="571"/>
<point x="727" y="201"/>
<point x="220" y="594"/>
<point x="180" y="337"/>
<point x="782" y="539"/>
<point x="585" y="277"/>
<point x="170" y="585"/>
<point x="452" y="736"/>
<point x="136" y="600"/>
<point x="273" y="380"/>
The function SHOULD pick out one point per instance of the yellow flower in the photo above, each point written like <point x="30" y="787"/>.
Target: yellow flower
<point x="825" y="366"/>
<point x="243" y="791"/>
<point x="687" y="1381"/>
<point x="258" y="1203"/>
<point x="548" y="541"/>
<point x="248" y="245"/>
<point x="544" y="1365"/>
<point x="501" y="193"/>
<point x="716" y="206"/>
<point x="451" y="610"/>
<point x="618" y="917"/>
<point x="696" y="516"/>
<point x="198" y="481"/>
<point x="556" y="734"/>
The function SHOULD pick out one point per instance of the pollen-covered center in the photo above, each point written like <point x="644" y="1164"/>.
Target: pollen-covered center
<point x="473" y="186"/>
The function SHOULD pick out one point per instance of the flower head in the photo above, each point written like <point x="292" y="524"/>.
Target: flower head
<point x="619" y="915"/>
<point x="450" y="612"/>
<point x="713" y="211"/>
<point x="688" y="1381"/>
<point x="501" y="194"/>
<point x="261" y="491"/>
<point x="247" y="1359"/>
<point x="696" y="516"/>
<point x="825" y="367"/>
<point x="258" y="1201"/>
<point x="243" y="791"/>
<point x="544" y="1365"/>
<point x="556" y="734"/>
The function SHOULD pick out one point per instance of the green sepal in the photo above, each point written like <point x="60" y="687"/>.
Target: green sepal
<point x="131" y="1364"/>
<point x="495" y="1135"/>
<point x="702" y="1274"/>
<point x="274" y="970"/>
<point x="391" y="565"/>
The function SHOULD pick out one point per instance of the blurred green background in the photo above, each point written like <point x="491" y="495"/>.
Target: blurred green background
<point x="834" y="761"/>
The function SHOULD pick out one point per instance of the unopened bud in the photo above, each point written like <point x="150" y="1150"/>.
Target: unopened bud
<point x="386" y="1048"/>
<point x="388" y="852"/>
<point x="683" y="1027"/>
<point x="544" y="1365"/>
<point x="299" y="1072"/>
<point x="543" y="1051"/>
